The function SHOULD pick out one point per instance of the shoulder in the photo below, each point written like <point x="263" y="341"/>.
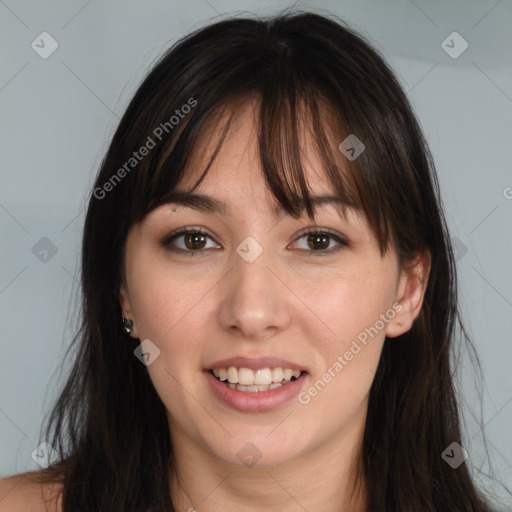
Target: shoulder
<point x="19" y="493"/>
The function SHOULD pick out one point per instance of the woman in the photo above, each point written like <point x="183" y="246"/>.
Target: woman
<point x="267" y="224"/>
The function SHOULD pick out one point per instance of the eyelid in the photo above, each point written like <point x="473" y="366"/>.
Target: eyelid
<point x="167" y="239"/>
<point x="338" y="237"/>
<point x="319" y="230"/>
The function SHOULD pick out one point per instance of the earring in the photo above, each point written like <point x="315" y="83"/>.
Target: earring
<point x="127" y="326"/>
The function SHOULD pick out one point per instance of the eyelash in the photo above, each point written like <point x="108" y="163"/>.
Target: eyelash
<point x="167" y="240"/>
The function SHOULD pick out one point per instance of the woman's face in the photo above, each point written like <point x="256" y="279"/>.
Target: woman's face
<point x="257" y="293"/>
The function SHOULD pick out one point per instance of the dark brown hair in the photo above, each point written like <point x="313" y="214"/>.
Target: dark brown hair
<point x="305" y="70"/>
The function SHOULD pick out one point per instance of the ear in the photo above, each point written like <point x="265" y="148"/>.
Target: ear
<point x="126" y="308"/>
<point x="410" y="293"/>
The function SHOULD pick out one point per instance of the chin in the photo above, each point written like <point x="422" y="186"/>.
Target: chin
<point x="259" y="450"/>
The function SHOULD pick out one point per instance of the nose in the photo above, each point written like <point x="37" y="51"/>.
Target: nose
<point x="256" y="302"/>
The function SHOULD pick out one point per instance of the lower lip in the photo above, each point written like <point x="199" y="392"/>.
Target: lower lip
<point x="259" y="401"/>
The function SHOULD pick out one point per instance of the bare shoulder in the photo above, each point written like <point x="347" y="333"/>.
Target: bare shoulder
<point x="19" y="494"/>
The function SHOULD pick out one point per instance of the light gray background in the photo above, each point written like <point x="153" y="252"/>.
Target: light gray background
<point x="59" y="113"/>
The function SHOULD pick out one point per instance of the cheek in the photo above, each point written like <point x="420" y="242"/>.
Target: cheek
<point x="346" y="305"/>
<point x="171" y="311"/>
<point x="350" y="331"/>
<point x="174" y="311"/>
<point x="163" y="300"/>
<point x="348" y="350"/>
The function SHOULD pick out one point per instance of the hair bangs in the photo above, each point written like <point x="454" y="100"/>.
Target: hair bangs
<point x="305" y="106"/>
<point x="290" y="128"/>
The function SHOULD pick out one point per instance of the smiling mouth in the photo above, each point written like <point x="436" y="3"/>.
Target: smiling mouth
<point x="248" y="380"/>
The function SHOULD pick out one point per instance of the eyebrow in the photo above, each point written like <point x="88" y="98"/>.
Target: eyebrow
<point x="208" y="204"/>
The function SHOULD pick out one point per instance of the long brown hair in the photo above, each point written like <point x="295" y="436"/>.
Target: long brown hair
<point x="108" y="424"/>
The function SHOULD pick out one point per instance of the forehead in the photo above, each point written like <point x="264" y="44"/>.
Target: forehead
<point x="228" y="147"/>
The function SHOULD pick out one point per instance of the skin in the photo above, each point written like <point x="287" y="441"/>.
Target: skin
<point x="287" y="303"/>
<point x="19" y="494"/>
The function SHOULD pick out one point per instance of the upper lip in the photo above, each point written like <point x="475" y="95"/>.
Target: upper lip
<point x="256" y="363"/>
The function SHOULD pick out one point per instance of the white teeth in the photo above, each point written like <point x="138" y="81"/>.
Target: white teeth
<point x="277" y="375"/>
<point x="253" y="389"/>
<point x="263" y="376"/>
<point x="232" y="375"/>
<point x="247" y="377"/>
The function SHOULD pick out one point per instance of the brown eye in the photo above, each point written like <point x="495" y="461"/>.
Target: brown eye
<point x="194" y="240"/>
<point x="319" y="240"/>
<point x="191" y="241"/>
